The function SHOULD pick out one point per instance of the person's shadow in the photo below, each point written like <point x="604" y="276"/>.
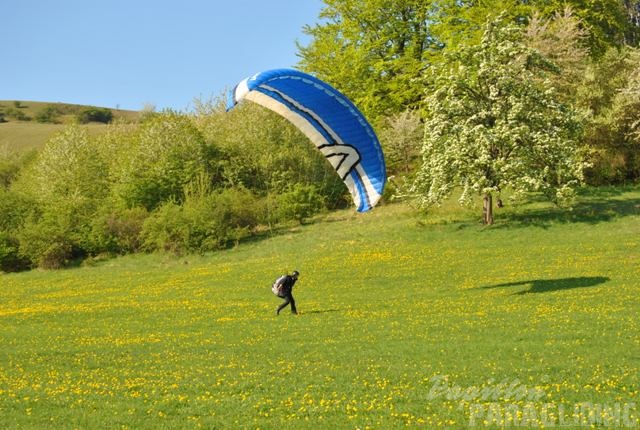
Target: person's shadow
<point x="320" y="311"/>
<point x="547" y="285"/>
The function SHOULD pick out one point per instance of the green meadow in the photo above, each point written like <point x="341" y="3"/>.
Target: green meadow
<point x="168" y="228"/>
<point x="406" y="320"/>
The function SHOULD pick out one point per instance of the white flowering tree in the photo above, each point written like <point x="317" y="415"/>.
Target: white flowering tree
<point x="494" y="123"/>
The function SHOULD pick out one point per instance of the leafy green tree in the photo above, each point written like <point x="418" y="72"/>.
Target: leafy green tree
<point x="67" y="182"/>
<point x="68" y="166"/>
<point x="611" y="94"/>
<point x="563" y="40"/>
<point x="491" y="125"/>
<point x="401" y="139"/>
<point x="606" y="20"/>
<point x="253" y="148"/>
<point x="632" y="7"/>
<point x="462" y="22"/>
<point x="153" y="164"/>
<point x="372" y="51"/>
<point x="375" y="50"/>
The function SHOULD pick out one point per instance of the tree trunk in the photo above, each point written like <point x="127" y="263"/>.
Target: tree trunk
<point x="487" y="209"/>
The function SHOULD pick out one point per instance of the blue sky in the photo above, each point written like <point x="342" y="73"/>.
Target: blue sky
<point x="129" y="53"/>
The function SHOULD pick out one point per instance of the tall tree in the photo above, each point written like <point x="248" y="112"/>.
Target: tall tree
<point x="563" y="40"/>
<point x="611" y="94"/>
<point x="373" y="51"/>
<point x="606" y="20"/>
<point x="491" y="125"/>
<point x="155" y="164"/>
<point x="462" y="22"/>
<point x="632" y="8"/>
<point x="401" y="139"/>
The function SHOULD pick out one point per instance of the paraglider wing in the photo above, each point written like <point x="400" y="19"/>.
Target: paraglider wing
<point x="330" y="120"/>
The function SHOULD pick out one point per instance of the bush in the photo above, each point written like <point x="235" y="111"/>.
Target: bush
<point x="56" y="255"/>
<point x="300" y="202"/>
<point x="12" y="163"/>
<point x="16" y="114"/>
<point x="94" y="114"/>
<point x="60" y="234"/>
<point x="229" y="216"/>
<point x="9" y="169"/>
<point x="203" y="223"/>
<point x="15" y="208"/>
<point x="10" y="259"/>
<point x="263" y="152"/>
<point x="48" y="114"/>
<point x="167" y="229"/>
<point x="118" y="230"/>
<point x="46" y="244"/>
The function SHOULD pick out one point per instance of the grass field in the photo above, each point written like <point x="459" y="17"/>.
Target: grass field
<point x="27" y="135"/>
<point x="21" y="136"/>
<point x="405" y="321"/>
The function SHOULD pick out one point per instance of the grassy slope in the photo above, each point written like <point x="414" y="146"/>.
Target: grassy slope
<point x="26" y="135"/>
<point x="387" y="302"/>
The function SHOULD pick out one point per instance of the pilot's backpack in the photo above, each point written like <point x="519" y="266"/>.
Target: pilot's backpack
<point x="278" y="288"/>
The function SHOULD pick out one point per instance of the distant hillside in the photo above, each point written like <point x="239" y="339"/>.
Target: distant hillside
<point x="26" y="125"/>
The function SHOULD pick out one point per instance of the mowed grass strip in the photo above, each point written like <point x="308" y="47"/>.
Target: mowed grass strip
<point x="396" y="311"/>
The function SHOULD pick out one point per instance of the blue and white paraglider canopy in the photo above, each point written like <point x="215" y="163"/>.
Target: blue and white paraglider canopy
<point x="330" y="120"/>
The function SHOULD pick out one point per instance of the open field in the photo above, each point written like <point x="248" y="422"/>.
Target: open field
<point x="66" y="110"/>
<point x="24" y="136"/>
<point x="27" y="135"/>
<point x="396" y="311"/>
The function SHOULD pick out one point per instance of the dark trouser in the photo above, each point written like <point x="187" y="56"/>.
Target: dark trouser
<point x="288" y="299"/>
